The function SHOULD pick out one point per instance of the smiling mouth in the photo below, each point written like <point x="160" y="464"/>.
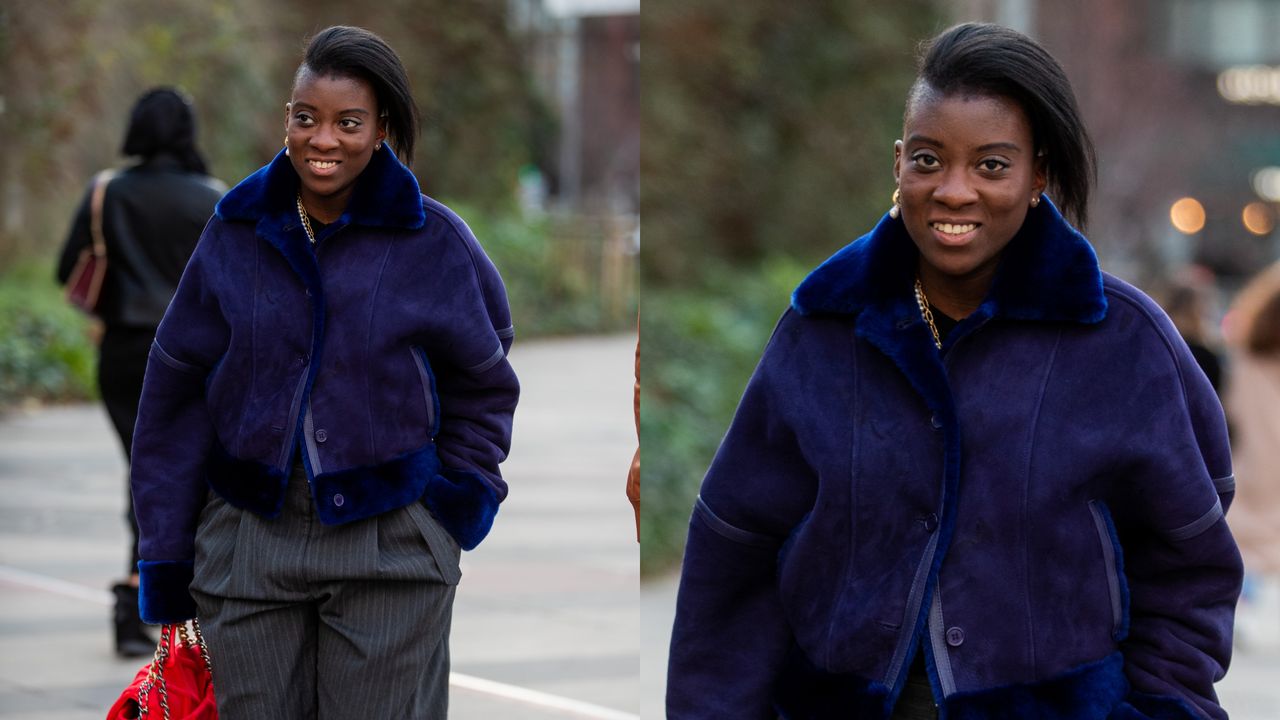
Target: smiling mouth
<point x="951" y="229"/>
<point x="323" y="164"/>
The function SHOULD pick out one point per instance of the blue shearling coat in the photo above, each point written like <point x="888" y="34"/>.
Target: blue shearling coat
<point x="1039" y="507"/>
<point x="378" y="357"/>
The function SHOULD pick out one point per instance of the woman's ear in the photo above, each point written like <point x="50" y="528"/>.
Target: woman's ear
<point x="897" y="161"/>
<point x="1041" y="180"/>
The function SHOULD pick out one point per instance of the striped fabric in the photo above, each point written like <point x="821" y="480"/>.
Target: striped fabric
<point x="916" y="701"/>
<point x="305" y="620"/>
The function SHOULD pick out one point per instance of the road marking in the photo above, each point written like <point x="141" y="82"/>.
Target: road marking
<point x="55" y="586"/>
<point x="534" y="697"/>
<point x="36" y="581"/>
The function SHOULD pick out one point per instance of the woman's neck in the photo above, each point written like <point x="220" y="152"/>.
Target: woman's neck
<point x="325" y="209"/>
<point x="956" y="297"/>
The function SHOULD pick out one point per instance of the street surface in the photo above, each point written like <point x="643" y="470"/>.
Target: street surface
<point x="546" y="622"/>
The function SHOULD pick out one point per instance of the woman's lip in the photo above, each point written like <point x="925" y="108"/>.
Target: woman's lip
<point x="953" y="238"/>
<point x="321" y="170"/>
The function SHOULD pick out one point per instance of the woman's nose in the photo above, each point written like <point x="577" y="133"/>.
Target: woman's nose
<point x="955" y="189"/>
<point x="323" y="138"/>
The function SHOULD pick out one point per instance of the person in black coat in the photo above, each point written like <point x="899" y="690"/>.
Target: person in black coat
<point x="152" y="216"/>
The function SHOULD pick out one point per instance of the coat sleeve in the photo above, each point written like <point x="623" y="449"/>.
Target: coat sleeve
<point x="1182" y="566"/>
<point x="730" y="640"/>
<point x="478" y="391"/>
<point x="79" y="237"/>
<point x="171" y="442"/>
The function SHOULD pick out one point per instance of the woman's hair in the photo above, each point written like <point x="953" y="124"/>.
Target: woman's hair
<point x="355" y="52"/>
<point x="162" y="122"/>
<point x="1255" y="319"/>
<point x="986" y="59"/>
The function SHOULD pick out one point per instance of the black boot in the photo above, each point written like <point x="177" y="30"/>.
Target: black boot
<point x="132" y="639"/>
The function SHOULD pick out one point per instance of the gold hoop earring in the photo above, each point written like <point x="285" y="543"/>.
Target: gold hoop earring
<point x="896" y="210"/>
<point x="1035" y="201"/>
<point x="286" y="144"/>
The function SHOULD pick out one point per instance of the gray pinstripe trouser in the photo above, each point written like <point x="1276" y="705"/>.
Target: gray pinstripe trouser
<point x="916" y="701"/>
<point x="305" y="620"/>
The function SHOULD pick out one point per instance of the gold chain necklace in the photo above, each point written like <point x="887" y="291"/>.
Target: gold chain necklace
<point x="923" y="302"/>
<point x="306" y="225"/>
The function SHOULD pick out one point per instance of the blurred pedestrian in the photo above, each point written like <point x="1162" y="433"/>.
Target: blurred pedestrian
<point x="152" y="213"/>
<point x="1187" y="303"/>
<point x="325" y="408"/>
<point x="1253" y="403"/>
<point x="973" y="475"/>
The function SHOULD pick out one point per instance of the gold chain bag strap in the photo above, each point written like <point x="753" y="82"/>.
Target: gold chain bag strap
<point x="178" y="681"/>
<point x="84" y="286"/>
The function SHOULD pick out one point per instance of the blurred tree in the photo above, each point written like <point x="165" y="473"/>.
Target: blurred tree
<point x="70" y="71"/>
<point x="769" y="126"/>
<point x="769" y="132"/>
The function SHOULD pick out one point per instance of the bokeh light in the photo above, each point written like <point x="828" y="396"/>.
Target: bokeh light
<point x="1258" y="218"/>
<point x="1187" y="215"/>
<point x="1266" y="182"/>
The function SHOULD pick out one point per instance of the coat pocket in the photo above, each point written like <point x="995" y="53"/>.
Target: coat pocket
<point x="429" y="395"/>
<point x="1113" y="559"/>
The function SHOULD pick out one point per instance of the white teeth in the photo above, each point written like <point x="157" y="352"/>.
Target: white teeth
<point x="323" y="164"/>
<point x="950" y="229"/>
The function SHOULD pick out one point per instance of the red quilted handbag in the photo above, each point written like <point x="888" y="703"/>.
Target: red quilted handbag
<point x="176" y="685"/>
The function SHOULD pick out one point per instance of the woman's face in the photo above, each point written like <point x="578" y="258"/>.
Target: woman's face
<point x="331" y="128"/>
<point x="967" y="171"/>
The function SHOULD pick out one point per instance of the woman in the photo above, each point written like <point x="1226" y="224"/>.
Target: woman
<point x="152" y="215"/>
<point x="1253" y="401"/>
<point x="325" y="408"/>
<point x="971" y="471"/>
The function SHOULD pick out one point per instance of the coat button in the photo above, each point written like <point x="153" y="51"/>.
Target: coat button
<point x="930" y="522"/>
<point x="955" y="637"/>
<point x="321" y="435"/>
<point x="338" y="500"/>
<point x="302" y="359"/>
<point x="935" y="422"/>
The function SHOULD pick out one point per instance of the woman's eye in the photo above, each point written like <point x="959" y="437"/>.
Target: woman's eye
<point x="992" y="165"/>
<point x="349" y="123"/>
<point x="303" y="119"/>
<point x="925" y="161"/>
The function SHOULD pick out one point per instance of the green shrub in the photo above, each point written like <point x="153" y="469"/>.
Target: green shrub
<point x="699" y="348"/>
<point x="45" y="352"/>
<point x="564" y="275"/>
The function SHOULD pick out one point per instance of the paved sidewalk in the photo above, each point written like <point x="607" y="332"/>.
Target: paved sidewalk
<point x="1251" y="690"/>
<point x="546" y="622"/>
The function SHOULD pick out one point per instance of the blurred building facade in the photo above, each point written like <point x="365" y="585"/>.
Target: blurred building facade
<point x="585" y="56"/>
<point x="1183" y="100"/>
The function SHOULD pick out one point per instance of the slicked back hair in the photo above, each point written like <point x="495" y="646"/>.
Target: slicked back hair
<point x="346" y="51"/>
<point x="987" y="59"/>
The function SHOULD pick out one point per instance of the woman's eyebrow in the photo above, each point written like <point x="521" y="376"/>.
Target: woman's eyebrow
<point x="1011" y="146"/>
<point x="925" y="139"/>
<point x="348" y="111"/>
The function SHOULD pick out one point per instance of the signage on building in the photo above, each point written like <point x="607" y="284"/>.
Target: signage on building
<point x="1250" y="85"/>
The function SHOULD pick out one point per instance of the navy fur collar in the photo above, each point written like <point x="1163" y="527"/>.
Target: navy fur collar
<point x="1048" y="272"/>
<point x="386" y="195"/>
